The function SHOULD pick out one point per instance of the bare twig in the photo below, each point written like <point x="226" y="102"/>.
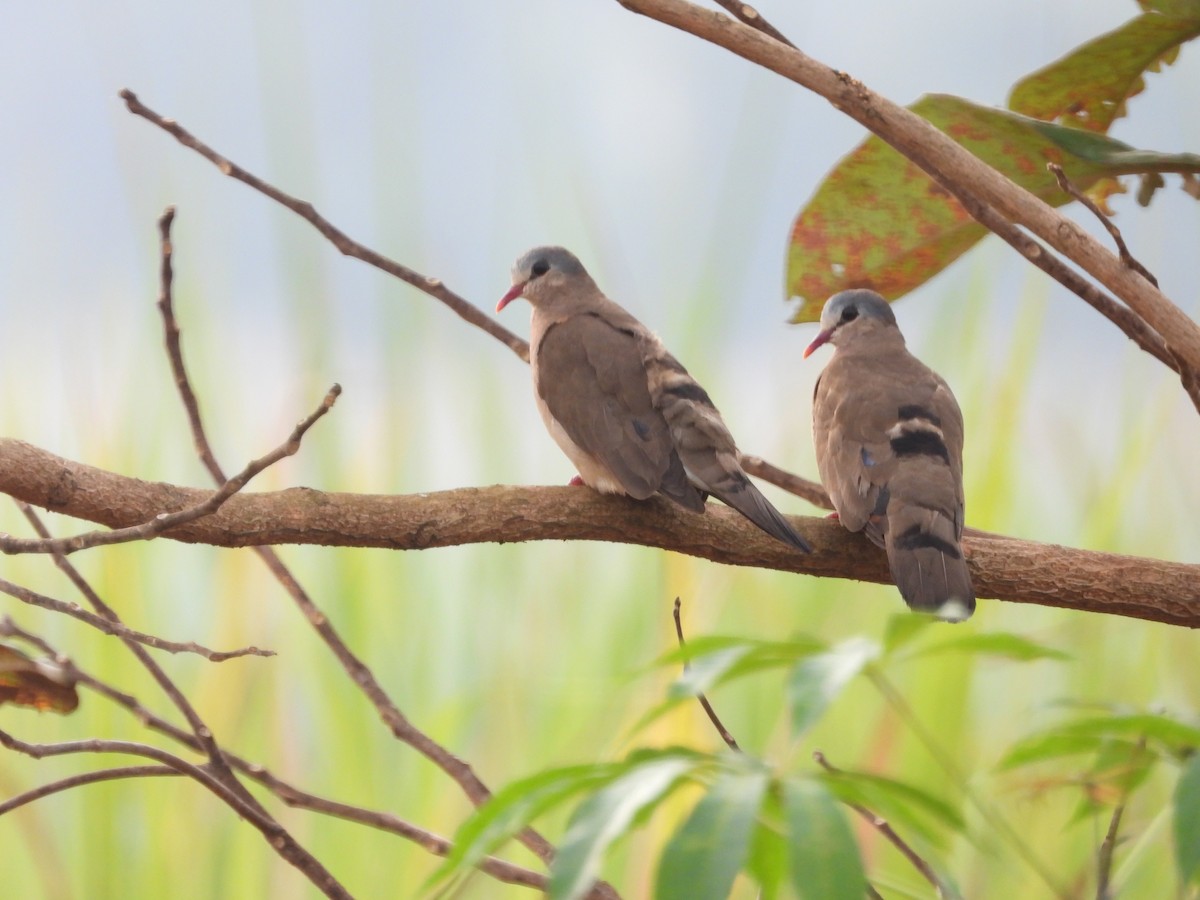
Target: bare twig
<point x="811" y="491"/>
<point x="117" y="629"/>
<point x="360" y="674"/>
<point x="882" y="825"/>
<point x="1114" y="232"/>
<point x="74" y="781"/>
<point x="1105" y="859"/>
<point x="431" y="286"/>
<point x="286" y="792"/>
<point x="217" y="769"/>
<point x="724" y="732"/>
<point x="165" y="521"/>
<point x="275" y="834"/>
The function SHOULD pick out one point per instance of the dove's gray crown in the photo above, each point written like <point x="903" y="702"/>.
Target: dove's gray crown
<point x="544" y="259"/>
<point x="849" y="305"/>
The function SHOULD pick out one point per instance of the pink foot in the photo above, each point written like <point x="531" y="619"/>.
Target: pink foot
<point x="577" y="481"/>
<point x="832" y="515"/>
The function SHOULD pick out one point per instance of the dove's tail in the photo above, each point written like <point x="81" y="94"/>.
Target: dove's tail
<point x="927" y="562"/>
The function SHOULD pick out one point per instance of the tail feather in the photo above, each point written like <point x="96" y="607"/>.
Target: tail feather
<point x="749" y="501"/>
<point x="927" y="563"/>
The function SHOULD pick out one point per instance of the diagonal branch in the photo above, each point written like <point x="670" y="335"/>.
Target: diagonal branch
<point x="1001" y="567"/>
<point x="945" y="161"/>
<point x="346" y="245"/>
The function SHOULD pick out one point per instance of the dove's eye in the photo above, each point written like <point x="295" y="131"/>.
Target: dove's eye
<point x="849" y="314"/>
<point x="540" y="268"/>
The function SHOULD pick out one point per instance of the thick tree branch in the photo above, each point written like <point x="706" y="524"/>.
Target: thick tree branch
<point x="1002" y="568"/>
<point x="949" y="164"/>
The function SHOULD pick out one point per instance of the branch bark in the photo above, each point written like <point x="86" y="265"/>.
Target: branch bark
<point x="951" y="166"/>
<point x="1002" y="568"/>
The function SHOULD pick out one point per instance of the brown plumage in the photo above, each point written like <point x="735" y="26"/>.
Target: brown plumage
<point x="626" y="413"/>
<point x="889" y="439"/>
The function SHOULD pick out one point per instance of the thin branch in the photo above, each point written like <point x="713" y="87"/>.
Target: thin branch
<point x="882" y="825"/>
<point x="360" y="674"/>
<point x="1114" y="232"/>
<point x="1131" y="324"/>
<point x="275" y="834"/>
<point x="1105" y="859"/>
<point x="724" y="732"/>
<point x="217" y="770"/>
<point x="292" y="795"/>
<point x="163" y="521"/>
<point x="118" y="629"/>
<point x="811" y="491"/>
<point x="1003" y="568"/>
<point x="74" y="781"/>
<point x="349" y="247"/>
<point x="945" y="161"/>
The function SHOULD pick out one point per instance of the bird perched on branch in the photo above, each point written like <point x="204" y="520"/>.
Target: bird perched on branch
<point x="889" y="439"/>
<point x="626" y="413"/>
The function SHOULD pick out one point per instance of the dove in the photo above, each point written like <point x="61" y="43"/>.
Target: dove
<point x="889" y="440"/>
<point x="624" y="411"/>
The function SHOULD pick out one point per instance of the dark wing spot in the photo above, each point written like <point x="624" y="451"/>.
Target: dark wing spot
<point x="642" y="429"/>
<point x="920" y="443"/>
<point x="865" y="455"/>
<point x="690" y="390"/>
<point x="915" y="539"/>
<point x="912" y="411"/>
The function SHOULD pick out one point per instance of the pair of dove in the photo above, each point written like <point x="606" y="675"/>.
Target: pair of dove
<point x="888" y="432"/>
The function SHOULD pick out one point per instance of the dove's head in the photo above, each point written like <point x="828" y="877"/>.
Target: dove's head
<point x="849" y="314"/>
<point x="541" y="274"/>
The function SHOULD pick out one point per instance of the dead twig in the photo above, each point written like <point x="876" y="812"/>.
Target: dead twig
<point x="165" y="521"/>
<point x="1114" y="232"/>
<point x="346" y="245"/>
<point x="724" y="732"/>
<point x="110" y="627"/>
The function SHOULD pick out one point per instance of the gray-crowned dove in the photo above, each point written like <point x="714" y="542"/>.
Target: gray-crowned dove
<point x="626" y="413"/>
<point x="889" y="439"/>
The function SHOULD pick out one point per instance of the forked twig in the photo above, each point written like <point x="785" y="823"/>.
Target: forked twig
<point x="1114" y="232"/>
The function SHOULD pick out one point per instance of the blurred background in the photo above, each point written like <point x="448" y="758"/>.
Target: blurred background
<point x="452" y="137"/>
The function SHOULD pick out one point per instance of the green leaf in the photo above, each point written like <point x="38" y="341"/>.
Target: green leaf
<point x="822" y="854"/>
<point x="877" y="221"/>
<point x="1047" y="745"/>
<point x="1187" y="821"/>
<point x="1088" y="88"/>
<point x="767" y="862"/>
<point x="816" y="681"/>
<point x="606" y="815"/>
<point x="1176" y="737"/>
<point x="1009" y="646"/>
<point x="705" y="855"/>
<point x="512" y="808"/>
